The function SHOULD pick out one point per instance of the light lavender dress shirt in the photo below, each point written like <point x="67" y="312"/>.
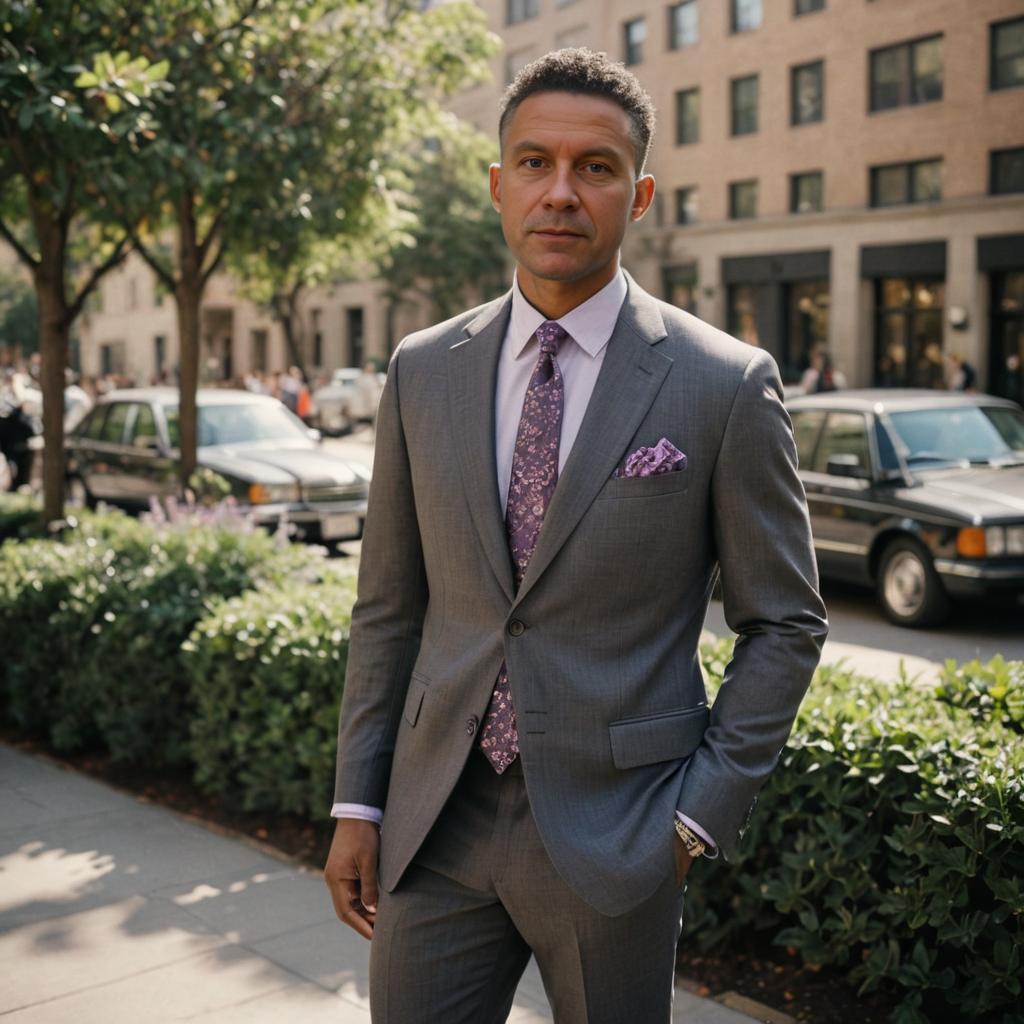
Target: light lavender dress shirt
<point x="590" y="326"/>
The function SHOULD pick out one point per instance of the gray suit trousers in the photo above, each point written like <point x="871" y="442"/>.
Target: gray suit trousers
<point x="454" y="937"/>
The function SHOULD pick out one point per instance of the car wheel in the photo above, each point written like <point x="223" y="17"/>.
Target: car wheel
<point x="78" y="495"/>
<point x="909" y="588"/>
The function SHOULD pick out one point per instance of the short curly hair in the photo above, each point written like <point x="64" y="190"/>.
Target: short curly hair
<point x="581" y="70"/>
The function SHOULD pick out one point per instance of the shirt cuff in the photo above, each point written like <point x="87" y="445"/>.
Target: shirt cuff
<point x="712" y="850"/>
<point x="360" y="811"/>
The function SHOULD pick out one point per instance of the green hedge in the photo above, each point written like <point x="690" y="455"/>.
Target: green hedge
<point x="93" y="625"/>
<point x="888" y="843"/>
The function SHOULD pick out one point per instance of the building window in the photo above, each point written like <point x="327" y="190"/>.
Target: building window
<point x="633" y="35"/>
<point x="806" y="192"/>
<point x="681" y="286"/>
<point x="686" y="205"/>
<point x="808" y="93"/>
<point x="1007" y="334"/>
<point x="519" y="10"/>
<point x="683" y="27"/>
<point x="746" y="15"/>
<point x="807" y="7"/>
<point x="687" y="116"/>
<point x="907" y="74"/>
<point x="742" y="200"/>
<point x="909" y="332"/>
<point x="1007" y="68"/>
<point x="744" y="105"/>
<point x="355" y="323"/>
<point x="808" y="304"/>
<point x="744" y="313"/>
<point x="1007" y="171"/>
<point x="917" y="182"/>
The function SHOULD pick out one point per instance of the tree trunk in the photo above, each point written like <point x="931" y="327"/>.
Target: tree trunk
<point x="285" y="309"/>
<point x="53" y="347"/>
<point x="188" y="296"/>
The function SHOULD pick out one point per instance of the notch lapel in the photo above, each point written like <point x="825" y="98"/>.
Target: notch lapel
<point x="472" y="378"/>
<point x="630" y="378"/>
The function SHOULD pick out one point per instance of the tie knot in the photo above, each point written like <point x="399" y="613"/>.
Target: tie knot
<point x="551" y="334"/>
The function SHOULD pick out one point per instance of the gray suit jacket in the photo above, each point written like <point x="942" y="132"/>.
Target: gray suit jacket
<point x="601" y="638"/>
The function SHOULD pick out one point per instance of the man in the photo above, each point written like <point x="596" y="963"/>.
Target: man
<point x="559" y="476"/>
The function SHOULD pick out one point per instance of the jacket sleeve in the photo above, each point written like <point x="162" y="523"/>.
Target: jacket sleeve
<point x="387" y="618"/>
<point x="770" y="595"/>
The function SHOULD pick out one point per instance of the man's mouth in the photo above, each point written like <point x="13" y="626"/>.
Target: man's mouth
<point x="556" y="233"/>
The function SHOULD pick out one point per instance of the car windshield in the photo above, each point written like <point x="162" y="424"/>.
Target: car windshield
<point x="240" y="423"/>
<point x="975" y="434"/>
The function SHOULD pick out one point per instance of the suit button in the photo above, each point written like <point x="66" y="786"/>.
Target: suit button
<point x="471" y="723"/>
<point x="516" y="628"/>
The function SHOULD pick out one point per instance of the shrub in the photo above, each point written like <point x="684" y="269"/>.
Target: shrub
<point x="888" y="843"/>
<point x="266" y="671"/>
<point x="20" y="516"/>
<point x="991" y="690"/>
<point x="97" y="620"/>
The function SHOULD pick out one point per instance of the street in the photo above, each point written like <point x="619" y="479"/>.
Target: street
<point x="859" y="633"/>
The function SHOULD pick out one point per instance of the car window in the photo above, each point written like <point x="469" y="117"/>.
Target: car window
<point x="936" y="436"/>
<point x="806" y="428"/>
<point x="145" y="430"/>
<point x="242" y="423"/>
<point x="113" y="427"/>
<point x="1010" y="424"/>
<point x="93" y="426"/>
<point x="887" y="457"/>
<point x="845" y="434"/>
<point x="171" y="419"/>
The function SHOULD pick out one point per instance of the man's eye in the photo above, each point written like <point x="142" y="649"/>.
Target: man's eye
<point x="534" y="162"/>
<point x="593" y="168"/>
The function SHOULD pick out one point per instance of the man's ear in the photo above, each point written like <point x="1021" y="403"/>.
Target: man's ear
<point x="643" y="196"/>
<point x="494" y="172"/>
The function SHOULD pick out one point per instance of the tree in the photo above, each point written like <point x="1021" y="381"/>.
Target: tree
<point x="267" y="98"/>
<point x="54" y="142"/>
<point x="455" y="254"/>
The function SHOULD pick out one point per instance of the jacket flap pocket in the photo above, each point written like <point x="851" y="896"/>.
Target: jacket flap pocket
<point x="668" y="736"/>
<point x="414" y="700"/>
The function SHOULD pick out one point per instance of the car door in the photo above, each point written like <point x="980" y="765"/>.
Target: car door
<point x="148" y="465"/>
<point x="843" y="508"/>
<point x="106" y="478"/>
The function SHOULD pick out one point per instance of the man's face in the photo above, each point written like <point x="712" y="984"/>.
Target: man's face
<point x="566" y="189"/>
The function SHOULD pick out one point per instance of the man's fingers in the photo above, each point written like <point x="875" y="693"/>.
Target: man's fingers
<point x="351" y="874"/>
<point x="349" y="907"/>
<point x="368" y="882"/>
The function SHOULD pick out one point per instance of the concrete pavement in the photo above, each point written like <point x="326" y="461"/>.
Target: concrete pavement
<point x="116" y="911"/>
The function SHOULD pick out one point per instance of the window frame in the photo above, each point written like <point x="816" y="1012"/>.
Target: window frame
<point x="907" y="167"/>
<point x="673" y="39"/>
<point x="518" y="11"/>
<point x="794" y="72"/>
<point x="734" y="84"/>
<point x="734" y="19"/>
<point x="908" y="87"/>
<point x="993" y="157"/>
<point x="734" y="186"/>
<point x="993" y="30"/>
<point x="679" y="204"/>
<point x="803" y="7"/>
<point x="633" y="51"/>
<point x="794" y="180"/>
<point x="680" y="93"/>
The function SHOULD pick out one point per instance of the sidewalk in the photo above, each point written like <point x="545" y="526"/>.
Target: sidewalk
<point x="116" y="911"/>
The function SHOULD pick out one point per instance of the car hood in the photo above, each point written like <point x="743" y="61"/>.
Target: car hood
<point x="281" y="464"/>
<point x="973" y="492"/>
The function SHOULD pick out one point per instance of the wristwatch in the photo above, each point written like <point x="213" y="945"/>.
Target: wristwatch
<point x="695" y="846"/>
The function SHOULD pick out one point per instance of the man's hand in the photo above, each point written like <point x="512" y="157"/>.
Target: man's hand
<point x="351" y="873"/>
<point x="683" y="861"/>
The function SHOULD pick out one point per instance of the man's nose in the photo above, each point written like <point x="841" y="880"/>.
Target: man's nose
<point x="561" y="192"/>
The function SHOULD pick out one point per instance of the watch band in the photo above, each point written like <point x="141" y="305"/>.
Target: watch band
<point x="695" y="846"/>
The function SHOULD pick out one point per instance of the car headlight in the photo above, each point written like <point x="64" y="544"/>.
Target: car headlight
<point x="270" y="494"/>
<point x="1015" y="540"/>
<point x="995" y="540"/>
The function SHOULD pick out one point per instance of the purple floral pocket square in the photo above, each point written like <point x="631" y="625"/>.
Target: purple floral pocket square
<point x="664" y="457"/>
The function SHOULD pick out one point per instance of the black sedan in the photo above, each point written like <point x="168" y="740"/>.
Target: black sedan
<point x="917" y="493"/>
<point x="124" y="452"/>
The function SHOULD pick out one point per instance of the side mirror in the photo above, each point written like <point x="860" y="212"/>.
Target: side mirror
<point x="848" y="466"/>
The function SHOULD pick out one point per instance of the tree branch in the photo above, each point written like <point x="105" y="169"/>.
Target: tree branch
<point x="121" y="250"/>
<point x="214" y="263"/>
<point x="23" y="254"/>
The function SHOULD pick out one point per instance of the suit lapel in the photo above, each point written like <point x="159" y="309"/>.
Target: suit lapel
<point x="472" y="378"/>
<point x="630" y="378"/>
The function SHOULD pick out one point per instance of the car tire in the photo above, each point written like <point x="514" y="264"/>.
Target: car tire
<point x="909" y="588"/>
<point x="78" y="495"/>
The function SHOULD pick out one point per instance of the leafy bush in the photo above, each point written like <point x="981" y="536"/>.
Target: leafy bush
<point x="266" y="672"/>
<point x="96" y="621"/>
<point x="888" y="843"/>
<point x="20" y="516"/>
<point x="991" y="690"/>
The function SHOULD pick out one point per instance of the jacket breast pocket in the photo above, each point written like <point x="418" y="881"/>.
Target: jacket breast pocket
<point x="645" y="486"/>
<point x="414" y="700"/>
<point x="666" y="736"/>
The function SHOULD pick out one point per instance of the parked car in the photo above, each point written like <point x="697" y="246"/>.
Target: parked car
<point x="350" y="398"/>
<point x="918" y="493"/>
<point x="125" y="451"/>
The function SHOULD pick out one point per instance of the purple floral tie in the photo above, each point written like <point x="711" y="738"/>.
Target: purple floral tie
<point x="534" y="475"/>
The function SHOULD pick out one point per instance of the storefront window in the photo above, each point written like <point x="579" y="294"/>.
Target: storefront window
<point x="743" y="313"/>
<point x="807" y="310"/>
<point x="908" y="333"/>
<point x="681" y="287"/>
<point x="1007" y="333"/>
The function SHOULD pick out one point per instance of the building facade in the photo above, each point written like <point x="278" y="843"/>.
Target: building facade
<point x="846" y="174"/>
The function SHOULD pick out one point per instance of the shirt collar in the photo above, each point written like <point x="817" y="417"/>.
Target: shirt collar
<point x="590" y="324"/>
